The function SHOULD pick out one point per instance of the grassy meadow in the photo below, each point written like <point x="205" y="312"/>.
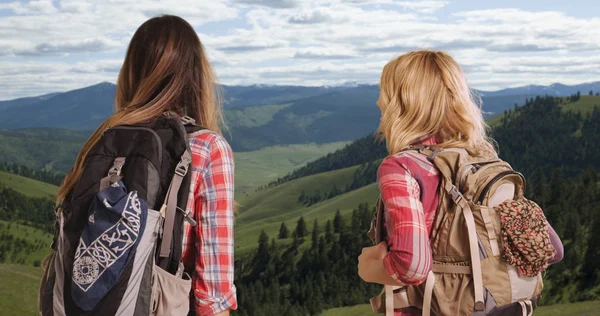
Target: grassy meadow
<point x="27" y="186"/>
<point x="18" y="289"/>
<point x="256" y="168"/>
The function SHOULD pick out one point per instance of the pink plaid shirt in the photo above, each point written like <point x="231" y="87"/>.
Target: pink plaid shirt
<point x="408" y="183"/>
<point x="208" y="247"/>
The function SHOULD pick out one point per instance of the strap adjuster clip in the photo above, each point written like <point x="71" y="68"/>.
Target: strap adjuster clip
<point x="187" y="120"/>
<point x="456" y="195"/>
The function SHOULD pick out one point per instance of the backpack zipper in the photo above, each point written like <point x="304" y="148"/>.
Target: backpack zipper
<point x="148" y="130"/>
<point x="494" y="180"/>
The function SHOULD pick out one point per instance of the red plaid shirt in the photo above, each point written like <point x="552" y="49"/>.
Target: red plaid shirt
<point x="208" y="247"/>
<point x="408" y="183"/>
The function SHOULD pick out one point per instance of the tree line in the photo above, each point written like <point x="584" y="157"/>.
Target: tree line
<point x="41" y="175"/>
<point x="35" y="212"/>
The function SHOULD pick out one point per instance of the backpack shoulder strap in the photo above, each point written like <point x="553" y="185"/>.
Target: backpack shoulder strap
<point x="169" y="207"/>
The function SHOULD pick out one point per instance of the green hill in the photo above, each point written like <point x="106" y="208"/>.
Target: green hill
<point x="42" y="148"/>
<point x="584" y="105"/>
<point x="23" y="244"/>
<point x="256" y="168"/>
<point x="252" y="116"/>
<point x="266" y="209"/>
<point x="574" y="309"/>
<point x="26" y="186"/>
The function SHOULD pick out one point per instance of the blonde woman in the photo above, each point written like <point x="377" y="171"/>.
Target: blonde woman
<point x="424" y="100"/>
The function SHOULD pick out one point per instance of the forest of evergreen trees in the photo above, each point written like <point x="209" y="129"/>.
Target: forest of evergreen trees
<point x="35" y="212"/>
<point x="310" y="274"/>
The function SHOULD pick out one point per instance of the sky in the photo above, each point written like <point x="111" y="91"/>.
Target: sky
<point x="59" y="45"/>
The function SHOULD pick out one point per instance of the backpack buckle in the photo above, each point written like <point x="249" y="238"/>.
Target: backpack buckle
<point x="117" y="166"/>
<point x="181" y="169"/>
<point x="187" y="120"/>
<point x="456" y="195"/>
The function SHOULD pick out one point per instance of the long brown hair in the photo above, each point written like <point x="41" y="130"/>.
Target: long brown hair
<point x="165" y="69"/>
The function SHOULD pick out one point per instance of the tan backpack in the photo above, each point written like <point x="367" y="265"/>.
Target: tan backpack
<point x="468" y="275"/>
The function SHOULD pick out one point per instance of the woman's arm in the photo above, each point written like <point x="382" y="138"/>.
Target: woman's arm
<point x="409" y="259"/>
<point x="370" y="265"/>
<point x="557" y="244"/>
<point x="215" y="292"/>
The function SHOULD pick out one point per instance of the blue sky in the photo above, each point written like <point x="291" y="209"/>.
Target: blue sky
<point x="58" y="45"/>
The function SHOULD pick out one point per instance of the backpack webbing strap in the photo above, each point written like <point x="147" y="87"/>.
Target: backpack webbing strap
<point x="169" y="208"/>
<point x="485" y="214"/>
<point x="114" y="173"/>
<point x="389" y="300"/>
<point x="428" y="295"/>
<point x="475" y="261"/>
<point x="458" y="198"/>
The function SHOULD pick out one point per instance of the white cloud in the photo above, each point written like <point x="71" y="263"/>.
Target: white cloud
<point x="94" y="25"/>
<point x="72" y="43"/>
<point x="32" y="7"/>
<point x="325" y="53"/>
<point x="311" y="17"/>
<point x="423" y="6"/>
<point x="277" y="4"/>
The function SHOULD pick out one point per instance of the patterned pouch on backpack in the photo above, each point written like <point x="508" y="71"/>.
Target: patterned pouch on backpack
<point x="525" y="238"/>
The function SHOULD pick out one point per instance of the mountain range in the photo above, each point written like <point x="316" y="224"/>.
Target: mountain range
<point x="260" y="115"/>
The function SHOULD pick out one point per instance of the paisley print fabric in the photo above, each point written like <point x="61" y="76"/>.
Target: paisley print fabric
<point x="525" y="239"/>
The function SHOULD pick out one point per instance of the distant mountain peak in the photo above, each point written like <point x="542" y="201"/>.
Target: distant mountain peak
<point x="104" y="84"/>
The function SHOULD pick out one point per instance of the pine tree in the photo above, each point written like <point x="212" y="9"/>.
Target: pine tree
<point x="590" y="272"/>
<point x="263" y="254"/>
<point x="302" y="198"/>
<point x="301" y="228"/>
<point x="338" y="222"/>
<point x="283" y="231"/>
<point x="328" y="232"/>
<point x="315" y="235"/>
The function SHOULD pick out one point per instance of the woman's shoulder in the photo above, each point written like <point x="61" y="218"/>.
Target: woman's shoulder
<point x="409" y="161"/>
<point x="207" y="141"/>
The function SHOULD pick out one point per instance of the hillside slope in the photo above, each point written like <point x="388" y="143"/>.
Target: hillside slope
<point x="367" y="148"/>
<point x="26" y="186"/>
<point x="266" y="209"/>
<point x="42" y="148"/>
